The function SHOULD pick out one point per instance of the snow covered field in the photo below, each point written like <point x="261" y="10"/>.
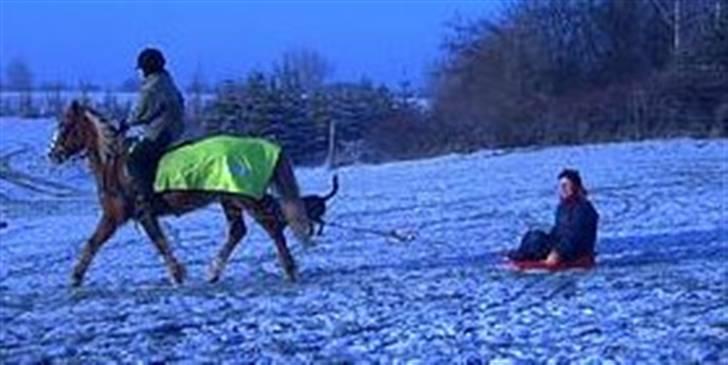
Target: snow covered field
<point x="659" y="294"/>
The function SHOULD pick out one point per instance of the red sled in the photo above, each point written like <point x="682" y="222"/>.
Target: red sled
<point x="585" y="263"/>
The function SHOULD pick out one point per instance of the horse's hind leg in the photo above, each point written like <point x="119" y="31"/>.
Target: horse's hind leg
<point x="266" y="218"/>
<point x="154" y="231"/>
<point x="285" y="184"/>
<point x="284" y="254"/>
<point x="236" y="232"/>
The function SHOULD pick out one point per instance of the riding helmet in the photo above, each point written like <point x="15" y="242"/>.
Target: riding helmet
<point x="150" y="60"/>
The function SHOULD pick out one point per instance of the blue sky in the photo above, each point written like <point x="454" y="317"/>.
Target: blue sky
<point x="98" y="40"/>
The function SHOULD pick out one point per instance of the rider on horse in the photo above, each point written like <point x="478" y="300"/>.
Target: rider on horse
<point x="160" y="110"/>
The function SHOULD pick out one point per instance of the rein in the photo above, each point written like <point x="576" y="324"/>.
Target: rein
<point x="396" y="234"/>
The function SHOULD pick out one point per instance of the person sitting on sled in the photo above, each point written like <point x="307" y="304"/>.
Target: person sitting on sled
<point x="574" y="233"/>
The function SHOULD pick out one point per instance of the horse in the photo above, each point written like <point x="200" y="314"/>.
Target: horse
<point x="83" y="132"/>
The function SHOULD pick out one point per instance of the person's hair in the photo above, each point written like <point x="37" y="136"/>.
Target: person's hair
<point x="573" y="176"/>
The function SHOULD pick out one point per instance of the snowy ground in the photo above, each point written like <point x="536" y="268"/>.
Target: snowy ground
<point x="659" y="294"/>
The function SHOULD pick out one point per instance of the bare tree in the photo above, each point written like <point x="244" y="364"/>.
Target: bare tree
<point x="129" y="85"/>
<point x="18" y="76"/>
<point x="303" y="68"/>
<point x="688" y="20"/>
<point x="717" y="13"/>
<point x="53" y="97"/>
<point x="564" y="71"/>
<point x="20" y="79"/>
<point x="198" y="84"/>
<point x="196" y="89"/>
<point x="85" y="88"/>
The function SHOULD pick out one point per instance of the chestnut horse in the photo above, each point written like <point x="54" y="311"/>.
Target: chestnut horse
<point x="84" y="132"/>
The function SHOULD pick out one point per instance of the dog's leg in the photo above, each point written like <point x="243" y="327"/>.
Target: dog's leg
<point x="321" y="224"/>
<point x="311" y="228"/>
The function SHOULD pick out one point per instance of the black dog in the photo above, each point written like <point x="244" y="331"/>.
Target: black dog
<point x="315" y="207"/>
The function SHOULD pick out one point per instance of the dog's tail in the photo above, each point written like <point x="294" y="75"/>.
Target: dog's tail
<point x="334" y="189"/>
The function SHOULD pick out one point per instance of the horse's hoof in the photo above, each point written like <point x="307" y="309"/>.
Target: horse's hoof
<point x="213" y="277"/>
<point x="215" y="271"/>
<point x="76" y="280"/>
<point x="179" y="273"/>
<point x="292" y="273"/>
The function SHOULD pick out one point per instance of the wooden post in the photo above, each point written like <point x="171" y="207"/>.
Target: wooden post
<point x="676" y="27"/>
<point x="332" y="145"/>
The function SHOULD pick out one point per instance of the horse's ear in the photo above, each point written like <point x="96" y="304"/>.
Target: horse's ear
<point x="75" y="106"/>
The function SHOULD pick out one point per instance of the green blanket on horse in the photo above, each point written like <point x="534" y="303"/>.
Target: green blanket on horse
<point x="228" y="164"/>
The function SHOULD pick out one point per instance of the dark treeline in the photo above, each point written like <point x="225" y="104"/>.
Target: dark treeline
<point x="543" y="72"/>
<point x="576" y="71"/>
<point x="296" y="105"/>
<point x="301" y="117"/>
<point x="540" y="73"/>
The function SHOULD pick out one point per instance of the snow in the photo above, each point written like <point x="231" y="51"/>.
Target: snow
<point x="658" y="296"/>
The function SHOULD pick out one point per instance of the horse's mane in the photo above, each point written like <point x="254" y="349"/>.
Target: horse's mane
<point x="108" y="139"/>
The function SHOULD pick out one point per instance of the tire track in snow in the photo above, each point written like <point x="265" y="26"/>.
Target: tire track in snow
<point x="32" y="183"/>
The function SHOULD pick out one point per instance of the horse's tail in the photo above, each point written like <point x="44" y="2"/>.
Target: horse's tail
<point x="334" y="188"/>
<point x="285" y="183"/>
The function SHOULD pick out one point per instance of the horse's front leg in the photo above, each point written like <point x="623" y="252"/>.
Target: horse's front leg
<point x="104" y="230"/>
<point x="154" y="231"/>
<point x="236" y="232"/>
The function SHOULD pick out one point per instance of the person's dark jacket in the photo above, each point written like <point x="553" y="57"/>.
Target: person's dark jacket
<point x="575" y="229"/>
<point x="573" y="235"/>
<point x="160" y="109"/>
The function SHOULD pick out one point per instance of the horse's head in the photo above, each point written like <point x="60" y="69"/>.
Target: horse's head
<point x="70" y="136"/>
<point x="81" y="130"/>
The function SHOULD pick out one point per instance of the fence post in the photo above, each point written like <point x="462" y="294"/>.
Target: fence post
<point x="331" y="159"/>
